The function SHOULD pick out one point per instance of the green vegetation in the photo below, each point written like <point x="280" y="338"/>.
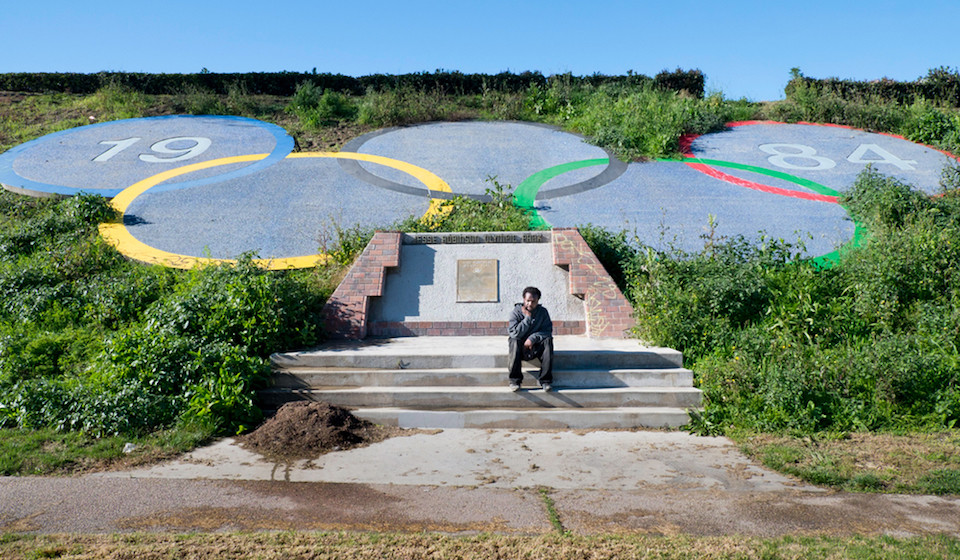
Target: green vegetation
<point x="552" y="514"/>
<point x="286" y="544"/>
<point x="910" y="462"/>
<point x="781" y="344"/>
<point x="788" y="347"/>
<point x="635" y="120"/>
<point x="933" y="119"/>
<point x="93" y="343"/>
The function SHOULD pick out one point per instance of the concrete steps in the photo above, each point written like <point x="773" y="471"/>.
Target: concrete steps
<point x="299" y="378"/>
<point x="461" y="382"/>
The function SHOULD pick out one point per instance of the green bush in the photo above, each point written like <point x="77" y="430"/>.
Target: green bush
<point x="940" y="85"/>
<point x="402" y="106"/>
<point x="92" y="342"/>
<point x="925" y="111"/>
<point x="317" y="108"/>
<point x="780" y="344"/>
<point x="495" y="211"/>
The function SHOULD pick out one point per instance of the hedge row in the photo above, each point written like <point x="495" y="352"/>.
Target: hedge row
<point x="940" y="85"/>
<point x="285" y="83"/>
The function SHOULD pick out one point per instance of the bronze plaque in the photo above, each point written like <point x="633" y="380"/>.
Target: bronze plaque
<point x="477" y="280"/>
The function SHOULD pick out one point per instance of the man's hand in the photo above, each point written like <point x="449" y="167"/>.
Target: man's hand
<point x="528" y="344"/>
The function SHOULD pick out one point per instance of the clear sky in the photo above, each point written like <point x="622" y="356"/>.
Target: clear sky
<point x="745" y="48"/>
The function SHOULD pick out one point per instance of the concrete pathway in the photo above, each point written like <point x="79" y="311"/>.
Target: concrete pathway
<point x="469" y="481"/>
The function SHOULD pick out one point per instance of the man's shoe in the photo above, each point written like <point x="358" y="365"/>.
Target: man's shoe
<point x="547" y="387"/>
<point x="514" y="387"/>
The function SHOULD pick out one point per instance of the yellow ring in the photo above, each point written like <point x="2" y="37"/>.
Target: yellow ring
<point x="120" y="237"/>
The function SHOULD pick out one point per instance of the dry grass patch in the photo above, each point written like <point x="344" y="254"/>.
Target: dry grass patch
<point x="921" y="463"/>
<point x="433" y="546"/>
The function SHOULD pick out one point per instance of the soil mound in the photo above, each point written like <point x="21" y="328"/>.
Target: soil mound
<point x="303" y="429"/>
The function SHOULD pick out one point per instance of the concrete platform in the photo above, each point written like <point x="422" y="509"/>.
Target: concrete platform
<point x="500" y="458"/>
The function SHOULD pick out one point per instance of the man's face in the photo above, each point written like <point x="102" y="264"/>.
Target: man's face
<point x="530" y="301"/>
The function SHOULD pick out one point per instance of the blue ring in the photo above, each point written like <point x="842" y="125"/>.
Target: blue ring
<point x="284" y="145"/>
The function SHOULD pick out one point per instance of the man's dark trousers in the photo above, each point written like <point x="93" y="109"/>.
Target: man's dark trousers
<point x="542" y="350"/>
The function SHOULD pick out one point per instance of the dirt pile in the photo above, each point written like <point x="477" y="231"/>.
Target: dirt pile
<point x="302" y="430"/>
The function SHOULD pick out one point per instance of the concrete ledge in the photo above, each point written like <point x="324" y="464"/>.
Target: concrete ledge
<point x="477" y="377"/>
<point x="489" y="397"/>
<point x="595" y="419"/>
<point x="476" y="352"/>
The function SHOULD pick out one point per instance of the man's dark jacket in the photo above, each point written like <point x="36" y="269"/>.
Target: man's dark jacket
<point x="537" y="327"/>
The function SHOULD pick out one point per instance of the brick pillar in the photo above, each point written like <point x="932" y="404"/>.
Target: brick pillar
<point x="345" y="313"/>
<point x="608" y="313"/>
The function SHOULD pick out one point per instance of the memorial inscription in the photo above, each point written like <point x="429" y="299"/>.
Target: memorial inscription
<point x="482" y="237"/>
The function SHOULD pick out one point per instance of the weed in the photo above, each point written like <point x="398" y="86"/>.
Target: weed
<point x="867" y="482"/>
<point x="196" y="100"/>
<point x="552" y="514"/>
<point x="344" y="244"/>
<point x="114" y="101"/>
<point x="404" y="105"/>
<point x="943" y="481"/>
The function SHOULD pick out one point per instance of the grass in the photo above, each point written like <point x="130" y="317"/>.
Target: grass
<point x="229" y="546"/>
<point x="914" y="463"/>
<point x="48" y="451"/>
<point x="552" y="514"/>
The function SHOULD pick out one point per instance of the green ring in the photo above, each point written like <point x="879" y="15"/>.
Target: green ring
<point x="825" y="261"/>
<point x="526" y="191"/>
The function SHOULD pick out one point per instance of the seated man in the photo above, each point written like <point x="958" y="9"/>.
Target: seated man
<point x="531" y="336"/>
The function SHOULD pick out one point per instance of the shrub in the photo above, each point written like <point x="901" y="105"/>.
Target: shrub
<point x="401" y="106"/>
<point x="780" y="344"/>
<point x="495" y="211"/>
<point x="92" y="342"/>
<point x="317" y="108"/>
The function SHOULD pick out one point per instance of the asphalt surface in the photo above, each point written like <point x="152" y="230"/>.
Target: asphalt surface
<point x="216" y="187"/>
<point x="649" y="482"/>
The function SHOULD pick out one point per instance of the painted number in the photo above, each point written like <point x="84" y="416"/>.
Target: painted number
<point x="170" y="147"/>
<point x="796" y="153"/>
<point x="792" y="156"/>
<point x="883" y="156"/>
<point x="118" y="146"/>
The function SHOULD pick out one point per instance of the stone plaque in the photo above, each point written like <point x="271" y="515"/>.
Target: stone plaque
<point x="477" y="280"/>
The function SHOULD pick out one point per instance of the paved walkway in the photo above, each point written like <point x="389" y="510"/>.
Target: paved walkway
<point x="468" y="481"/>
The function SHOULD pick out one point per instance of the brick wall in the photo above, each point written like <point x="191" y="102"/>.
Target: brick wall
<point x="460" y="328"/>
<point x="608" y="313"/>
<point x="345" y="315"/>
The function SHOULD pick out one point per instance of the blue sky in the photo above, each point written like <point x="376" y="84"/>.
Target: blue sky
<point x="745" y="48"/>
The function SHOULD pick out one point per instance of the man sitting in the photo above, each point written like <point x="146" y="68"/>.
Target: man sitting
<point x="531" y="336"/>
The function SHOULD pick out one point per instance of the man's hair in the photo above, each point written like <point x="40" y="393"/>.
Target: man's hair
<point x="531" y="290"/>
